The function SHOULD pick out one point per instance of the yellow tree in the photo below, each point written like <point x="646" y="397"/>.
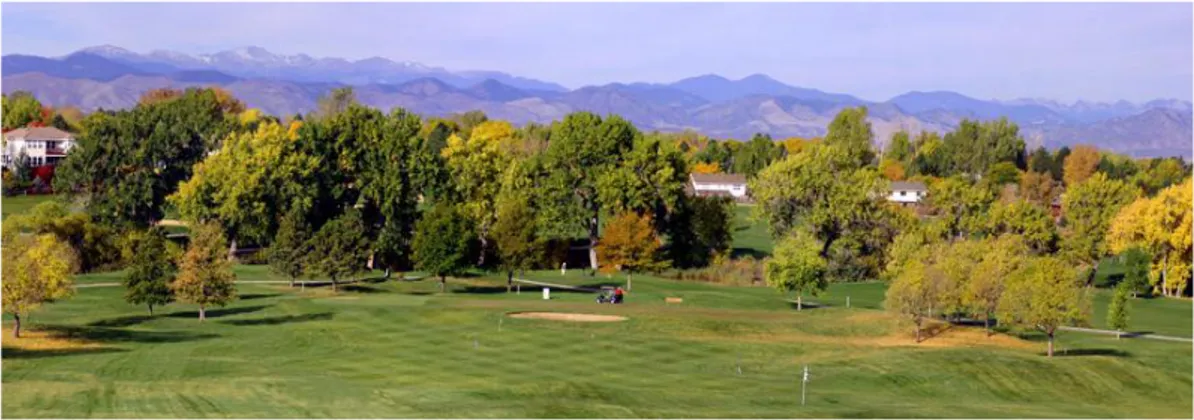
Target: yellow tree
<point x="916" y="290"/>
<point x="1080" y="164"/>
<point x="706" y="168"/>
<point x="1162" y="225"/>
<point x="36" y="270"/>
<point x="1045" y="294"/>
<point x="891" y="169"/>
<point x="205" y="276"/>
<point x="629" y="244"/>
<point x="476" y="164"/>
<point x="1002" y="256"/>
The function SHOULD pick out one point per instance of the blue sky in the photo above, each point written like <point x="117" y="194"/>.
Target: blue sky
<point x="1063" y="51"/>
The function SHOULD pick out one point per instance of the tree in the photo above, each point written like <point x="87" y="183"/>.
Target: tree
<point x="339" y="249"/>
<point x="514" y="233"/>
<point x="335" y="102"/>
<point x="1045" y="294"/>
<point x="1059" y="163"/>
<point x="21" y="178"/>
<point x="975" y="146"/>
<point x="1136" y="261"/>
<point x="1002" y="173"/>
<point x="147" y="281"/>
<point x="706" y="168"/>
<point x="891" y="169"/>
<point x="154" y="96"/>
<point x="700" y="229"/>
<point x="960" y="203"/>
<point x="900" y="149"/>
<point x="841" y="205"/>
<point x="797" y="266"/>
<point x="150" y="149"/>
<point x="94" y="245"/>
<point x="255" y="175"/>
<point x="851" y="132"/>
<point x="288" y="253"/>
<point x="1117" y="310"/>
<point x="1160" y="173"/>
<point x="1031" y="222"/>
<point x="915" y="292"/>
<point x="1080" y="164"/>
<point x="630" y="245"/>
<point x="1002" y="256"/>
<point x="1038" y="188"/>
<point x="1040" y="161"/>
<point x="205" y="276"/>
<point x="1161" y="226"/>
<point x="37" y="269"/>
<point x="1088" y="208"/>
<point x="20" y="109"/>
<point x="476" y="164"/>
<point x="756" y="155"/>
<point x="582" y="148"/>
<point x="442" y="243"/>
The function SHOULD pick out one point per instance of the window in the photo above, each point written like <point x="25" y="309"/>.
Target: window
<point x="903" y="193"/>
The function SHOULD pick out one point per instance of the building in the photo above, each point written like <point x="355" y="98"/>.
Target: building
<point x="907" y="193"/>
<point x="42" y="145"/>
<point x="729" y="185"/>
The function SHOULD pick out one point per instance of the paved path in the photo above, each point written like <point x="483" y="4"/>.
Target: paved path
<point x="1129" y="334"/>
<point x="559" y="286"/>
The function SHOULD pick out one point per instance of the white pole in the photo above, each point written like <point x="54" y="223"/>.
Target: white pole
<point x="803" y="384"/>
<point x="847" y="301"/>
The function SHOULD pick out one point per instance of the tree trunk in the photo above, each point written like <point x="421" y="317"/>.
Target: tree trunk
<point x="202" y="313"/>
<point x="1119" y="334"/>
<point x="509" y="280"/>
<point x="799" y="302"/>
<point x="1050" y="333"/>
<point x="16" y="328"/>
<point x="629" y="283"/>
<point x="1164" y="277"/>
<point x="151" y="309"/>
<point x="335" y="286"/>
<point x="987" y="324"/>
<point x="442" y="283"/>
<point x="593" y="244"/>
<point x="292" y="282"/>
<point x="918" y="330"/>
<point x="484" y="246"/>
<point x="232" y="250"/>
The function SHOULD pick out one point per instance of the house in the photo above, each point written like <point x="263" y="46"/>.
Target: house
<point x="712" y="185"/>
<point x="42" y="145"/>
<point x="907" y="193"/>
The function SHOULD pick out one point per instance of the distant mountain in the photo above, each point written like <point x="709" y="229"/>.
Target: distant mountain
<point x="111" y="77"/>
<point x="257" y="62"/>
<point x="716" y="89"/>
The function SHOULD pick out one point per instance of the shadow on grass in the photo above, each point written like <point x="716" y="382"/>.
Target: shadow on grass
<point x="360" y="288"/>
<point x="1089" y="352"/>
<point x="737" y="253"/>
<point x="278" y="320"/>
<point x="123" y="321"/>
<point x="253" y="296"/>
<point x="17" y="353"/>
<point x="809" y="305"/>
<point x="219" y="312"/>
<point x="118" y="335"/>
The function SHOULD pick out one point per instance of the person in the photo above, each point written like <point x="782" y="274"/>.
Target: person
<point x="618" y="295"/>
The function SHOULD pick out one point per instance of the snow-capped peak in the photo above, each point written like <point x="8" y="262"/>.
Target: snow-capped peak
<point x="109" y="51"/>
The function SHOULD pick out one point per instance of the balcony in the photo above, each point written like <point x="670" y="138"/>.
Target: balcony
<point x="55" y="152"/>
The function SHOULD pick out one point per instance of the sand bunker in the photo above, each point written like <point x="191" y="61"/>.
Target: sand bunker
<point x="562" y="316"/>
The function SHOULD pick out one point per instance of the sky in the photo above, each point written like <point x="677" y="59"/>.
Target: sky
<point x="1060" y="51"/>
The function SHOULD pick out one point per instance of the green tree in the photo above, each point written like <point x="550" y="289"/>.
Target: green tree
<point x="1059" y="163"/>
<point x="960" y="203"/>
<point x="1117" y="310"/>
<point x="469" y="121"/>
<point x="1158" y="174"/>
<point x="339" y="249"/>
<point x="514" y="233"/>
<point x="20" y="109"/>
<point x="1136" y="262"/>
<point x="630" y="245"/>
<point x="1045" y="294"/>
<point x="205" y="276"/>
<point x="1030" y="221"/>
<point x="851" y="132"/>
<point x="650" y="180"/>
<point x="1002" y="256"/>
<point x="442" y="243"/>
<point x="1002" y="173"/>
<point x="288" y="253"/>
<point x="756" y="155"/>
<point x="37" y="269"/>
<point x="335" y="102"/>
<point x="1041" y="161"/>
<point x="1088" y="208"/>
<point x="150" y="149"/>
<point x="147" y="280"/>
<point x="583" y="147"/>
<point x="915" y="292"/>
<point x="699" y="230"/>
<point x="900" y="149"/>
<point x="247" y="183"/>
<point x="476" y="164"/>
<point x="797" y="266"/>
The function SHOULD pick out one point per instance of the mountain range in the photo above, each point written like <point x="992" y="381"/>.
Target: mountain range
<point x="111" y="77"/>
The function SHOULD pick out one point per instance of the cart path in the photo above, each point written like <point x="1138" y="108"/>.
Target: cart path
<point x="1127" y="334"/>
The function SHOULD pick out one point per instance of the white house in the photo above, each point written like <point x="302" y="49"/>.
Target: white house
<point x="907" y="193"/>
<point x="42" y="145"/>
<point x="733" y="185"/>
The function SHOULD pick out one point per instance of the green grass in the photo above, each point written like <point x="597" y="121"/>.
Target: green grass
<point x="398" y="349"/>
<point x="21" y="203"/>
<point x="750" y="236"/>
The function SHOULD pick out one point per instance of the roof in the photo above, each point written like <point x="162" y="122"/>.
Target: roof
<point x="908" y="186"/>
<point x="719" y="178"/>
<point x="39" y="133"/>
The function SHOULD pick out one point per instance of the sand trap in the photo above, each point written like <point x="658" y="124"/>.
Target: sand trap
<point x="562" y="316"/>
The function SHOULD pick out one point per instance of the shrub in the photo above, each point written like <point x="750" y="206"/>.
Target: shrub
<point x="742" y="272"/>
